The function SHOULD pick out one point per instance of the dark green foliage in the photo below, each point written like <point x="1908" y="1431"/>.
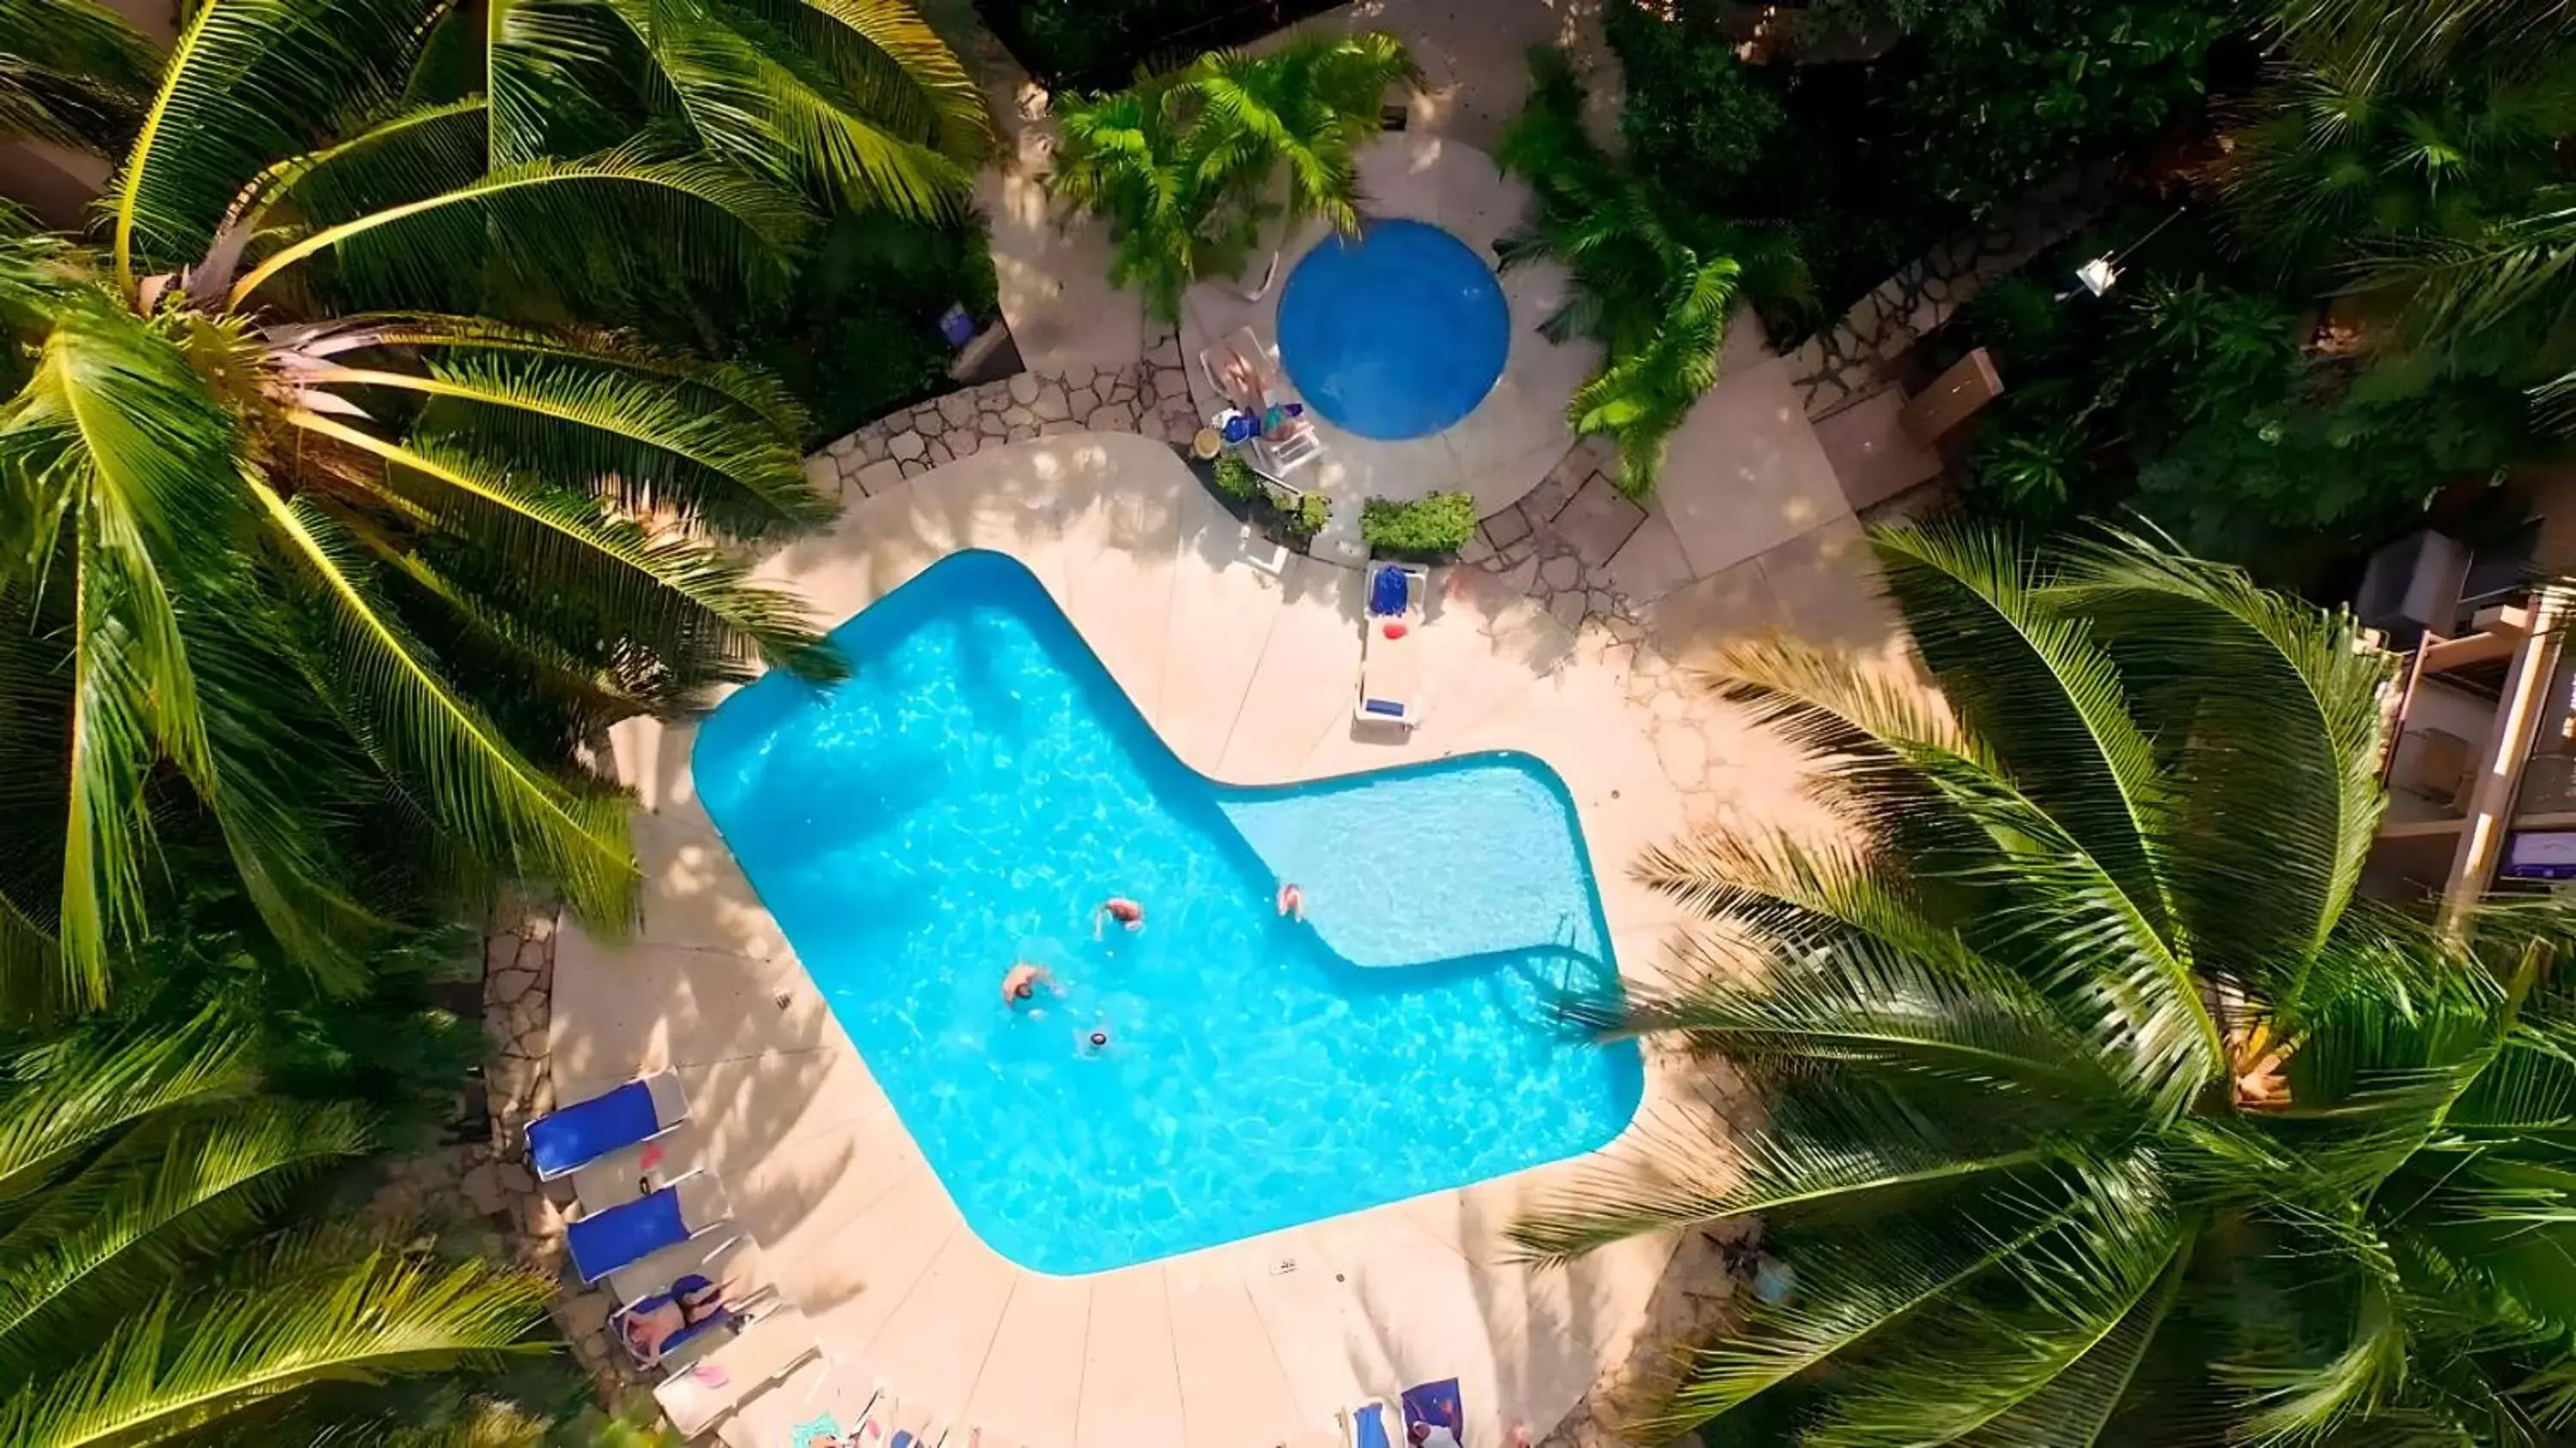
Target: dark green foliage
<point x="1870" y="164"/>
<point x="2190" y="395"/>
<point x="1654" y="280"/>
<point x="1428" y="529"/>
<point x="1097" y="43"/>
<point x="1692" y="110"/>
<point x="2002" y="103"/>
<point x="859" y="335"/>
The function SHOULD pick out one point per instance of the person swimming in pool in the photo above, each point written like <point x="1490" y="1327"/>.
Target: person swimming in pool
<point x="1292" y="900"/>
<point x="1121" y="909"/>
<point x="1022" y="983"/>
<point x="1096" y="1040"/>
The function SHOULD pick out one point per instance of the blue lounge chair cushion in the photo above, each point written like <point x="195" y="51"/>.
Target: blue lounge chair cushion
<point x="1387" y="591"/>
<point x="625" y="1234"/>
<point x="588" y="1130"/>
<point x="1387" y="707"/>
<point x="1368" y="1427"/>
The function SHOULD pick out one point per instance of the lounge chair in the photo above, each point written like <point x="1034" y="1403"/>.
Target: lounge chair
<point x="1390" y="663"/>
<point x="1438" y="1411"/>
<point x="767" y="1349"/>
<point x="691" y="1341"/>
<point x="565" y="1141"/>
<point x="605" y="1241"/>
<point x="1370" y="1425"/>
<point x="1274" y="457"/>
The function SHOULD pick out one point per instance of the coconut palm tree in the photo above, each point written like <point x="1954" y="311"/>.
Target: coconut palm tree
<point x="2097" y="1110"/>
<point x="296" y="541"/>
<point x="857" y="102"/>
<point x="1654" y="283"/>
<point x="1185" y="167"/>
<point x="76" y="74"/>
<point x="144" y="1293"/>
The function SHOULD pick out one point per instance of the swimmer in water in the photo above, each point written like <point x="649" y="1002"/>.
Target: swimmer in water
<point x="1121" y="909"/>
<point x="1023" y="981"/>
<point x="1096" y="1039"/>
<point x="1292" y="901"/>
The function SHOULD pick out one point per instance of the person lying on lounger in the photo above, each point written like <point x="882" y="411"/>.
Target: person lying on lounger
<point x="692" y="1300"/>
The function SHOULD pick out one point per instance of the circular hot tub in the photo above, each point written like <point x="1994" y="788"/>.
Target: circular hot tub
<point x="1397" y="334"/>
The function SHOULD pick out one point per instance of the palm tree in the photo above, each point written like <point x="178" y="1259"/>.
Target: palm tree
<point x="854" y="101"/>
<point x="1186" y="166"/>
<point x="276" y="494"/>
<point x="1654" y="283"/>
<point x="76" y="74"/>
<point x="2097" y="1110"/>
<point x="144" y="1295"/>
<point x="2387" y="124"/>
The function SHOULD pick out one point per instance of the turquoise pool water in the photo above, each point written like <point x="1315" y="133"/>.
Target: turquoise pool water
<point x="980" y="784"/>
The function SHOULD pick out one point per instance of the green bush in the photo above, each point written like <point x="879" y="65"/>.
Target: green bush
<point x="1235" y="478"/>
<point x="1312" y="512"/>
<point x="1435" y="527"/>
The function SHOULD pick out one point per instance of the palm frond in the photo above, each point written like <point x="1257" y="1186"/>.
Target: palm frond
<point x="590" y="423"/>
<point x="188" y="1363"/>
<point x="542" y="220"/>
<point x="2268" y="713"/>
<point x="76" y="74"/>
<point x="143" y="1213"/>
<point x="480" y="787"/>
<point x="243" y="81"/>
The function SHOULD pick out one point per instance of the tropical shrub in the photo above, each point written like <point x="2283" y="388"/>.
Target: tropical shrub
<point x="1235" y="478"/>
<point x="1426" y="528"/>
<point x="1187" y="167"/>
<point x="1653" y="284"/>
<point x="294" y="539"/>
<point x="2189" y="394"/>
<point x="1307" y="516"/>
<point x="2096" y="1109"/>
<point x="857" y="334"/>
<point x="147" y="1292"/>
<point x="2006" y="101"/>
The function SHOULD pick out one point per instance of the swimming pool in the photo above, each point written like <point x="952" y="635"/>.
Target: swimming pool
<point x="1395" y="335"/>
<point x="967" y="798"/>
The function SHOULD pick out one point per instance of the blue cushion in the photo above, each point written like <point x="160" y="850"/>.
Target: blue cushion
<point x="1383" y="706"/>
<point x="588" y="1130"/>
<point x="625" y="1234"/>
<point x="1387" y="591"/>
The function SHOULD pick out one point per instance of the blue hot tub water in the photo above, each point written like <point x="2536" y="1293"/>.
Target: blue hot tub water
<point x="1395" y="335"/>
<point x="980" y="784"/>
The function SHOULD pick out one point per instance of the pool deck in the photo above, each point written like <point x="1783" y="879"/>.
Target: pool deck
<point x="1248" y="672"/>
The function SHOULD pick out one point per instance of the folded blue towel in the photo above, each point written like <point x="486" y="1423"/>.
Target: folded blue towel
<point x="1387" y="591"/>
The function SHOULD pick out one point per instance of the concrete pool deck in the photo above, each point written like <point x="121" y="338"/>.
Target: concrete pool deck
<point x="1248" y="674"/>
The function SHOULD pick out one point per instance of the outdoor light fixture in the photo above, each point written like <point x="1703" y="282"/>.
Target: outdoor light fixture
<point x="2097" y="275"/>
